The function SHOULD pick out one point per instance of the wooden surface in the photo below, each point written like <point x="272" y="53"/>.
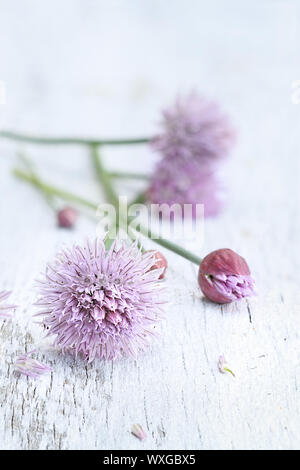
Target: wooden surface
<point x="88" y="68"/>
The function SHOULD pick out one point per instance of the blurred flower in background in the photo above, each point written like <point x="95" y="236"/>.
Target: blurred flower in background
<point x="186" y="182"/>
<point x="196" y="137"/>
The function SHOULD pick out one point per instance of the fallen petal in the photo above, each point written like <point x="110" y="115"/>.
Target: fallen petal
<point x="138" y="432"/>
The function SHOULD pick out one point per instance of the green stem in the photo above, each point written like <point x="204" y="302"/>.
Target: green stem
<point x="230" y="371"/>
<point x="54" y="190"/>
<point x="111" y="194"/>
<point x="128" y="175"/>
<point x="29" y="165"/>
<point x="84" y="202"/>
<point x="139" y="199"/>
<point x="105" y="179"/>
<point x="69" y="140"/>
<point x="170" y="246"/>
<point x="104" y="176"/>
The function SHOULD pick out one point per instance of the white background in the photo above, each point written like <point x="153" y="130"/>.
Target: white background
<point x="106" y="68"/>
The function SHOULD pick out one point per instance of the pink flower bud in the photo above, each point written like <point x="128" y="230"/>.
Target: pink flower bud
<point x="160" y="262"/>
<point x="67" y="217"/>
<point x="224" y="276"/>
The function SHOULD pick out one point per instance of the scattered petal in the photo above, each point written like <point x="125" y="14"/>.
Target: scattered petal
<point x="223" y="366"/>
<point x="138" y="432"/>
<point x="31" y="367"/>
<point x="5" y="310"/>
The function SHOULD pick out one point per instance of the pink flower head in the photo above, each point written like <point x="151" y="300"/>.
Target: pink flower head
<point x="160" y="262"/>
<point x="194" y="128"/>
<point x="224" y="276"/>
<point x="99" y="303"/>
<point x="26" y="365"/>
<point x="67" y="217"/>
<point x="196" y="136"/>
<point x="5" y="310"/>
<point x="186" y="182"/>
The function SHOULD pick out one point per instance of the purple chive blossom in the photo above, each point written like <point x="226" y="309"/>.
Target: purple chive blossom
<point x="185" y="183"/>
<point x="196" y="136"/>
<point x="224" y="276"/>
<point x="99" y="303"/>
<point x="26" y="365"/>
<point x="5" y="310"/>
<point x="138" y="432"/>
<point x="194" y="129"/>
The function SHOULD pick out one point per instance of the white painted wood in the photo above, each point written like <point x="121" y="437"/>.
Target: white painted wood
<point x="105" y="68"/>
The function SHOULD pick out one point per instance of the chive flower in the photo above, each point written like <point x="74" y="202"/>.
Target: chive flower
<point x="101" y="303"/>
<point x="195" y="128"/>
<point x="196" y="136"/>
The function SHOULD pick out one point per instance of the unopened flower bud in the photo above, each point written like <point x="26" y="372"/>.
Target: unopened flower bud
<point x="224" y="276"/>
<point x="67" y="217"/>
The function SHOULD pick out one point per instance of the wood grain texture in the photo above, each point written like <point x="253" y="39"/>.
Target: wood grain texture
<point x="119" y="67"/>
